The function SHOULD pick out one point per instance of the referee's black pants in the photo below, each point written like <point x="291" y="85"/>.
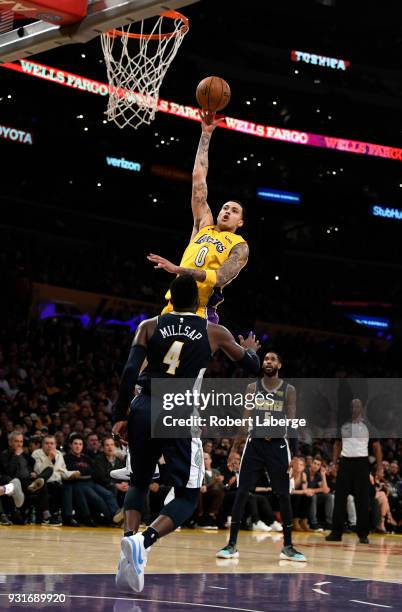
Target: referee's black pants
<point x="352" y="479"/>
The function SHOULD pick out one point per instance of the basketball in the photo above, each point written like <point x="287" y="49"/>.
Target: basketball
<point x="213" y="94"/>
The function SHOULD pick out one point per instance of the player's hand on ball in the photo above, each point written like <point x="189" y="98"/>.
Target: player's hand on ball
<point x="208" y="121"/>
<point x="163" y="264"/>
<point x="250" y="342"/>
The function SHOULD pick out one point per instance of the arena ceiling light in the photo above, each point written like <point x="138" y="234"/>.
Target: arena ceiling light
<point x="276" y="195"/>
<point x="367" y="321"/>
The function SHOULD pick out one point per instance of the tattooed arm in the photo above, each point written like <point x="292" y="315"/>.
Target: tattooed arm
<point x="227" y="272"/>
<point x="202" y="214"/>
<point x="232" y="266"/>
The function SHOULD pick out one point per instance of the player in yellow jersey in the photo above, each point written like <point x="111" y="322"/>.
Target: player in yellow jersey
<point x="216" y="253"/>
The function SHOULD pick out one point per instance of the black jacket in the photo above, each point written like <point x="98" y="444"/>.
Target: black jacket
<point x="102" y="469"/>
<point x="16" y="466"/>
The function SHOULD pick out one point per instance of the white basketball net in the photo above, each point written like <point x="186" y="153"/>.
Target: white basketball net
<point x="136" y="68"/>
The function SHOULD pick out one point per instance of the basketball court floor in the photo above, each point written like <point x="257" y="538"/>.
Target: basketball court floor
<point x="75" y="569"/>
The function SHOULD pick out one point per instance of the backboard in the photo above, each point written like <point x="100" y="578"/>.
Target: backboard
<point x="103" y="15"/>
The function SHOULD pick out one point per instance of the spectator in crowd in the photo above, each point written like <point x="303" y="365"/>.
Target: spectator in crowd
<point x="87" y="493"/>
<point x="34" y="444"/>
<point x="106" y="461"/>
<point x="383" y="491"/>
<point x="220" y="453"/>
<point x="16" y="463"/>
<point x="60" y="496"/>
<point x="93" y="445"/>
<point x="230" y="478"/>
<point x="211" y="495"/>
<point x="208" y="446"/>
<point x="301" y="496"/>
<point x="394" y="481"/>
<point x="317" y="481"/>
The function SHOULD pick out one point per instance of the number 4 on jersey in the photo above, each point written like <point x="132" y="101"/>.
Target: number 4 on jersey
<point x="172" y="357"/>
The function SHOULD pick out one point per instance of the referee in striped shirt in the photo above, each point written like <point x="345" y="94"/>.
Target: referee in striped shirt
<point x="353" y="474"/>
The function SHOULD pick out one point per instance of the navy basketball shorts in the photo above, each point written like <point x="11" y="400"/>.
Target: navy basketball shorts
<point x="184" y="457"/>
<point x="271" y="455"/>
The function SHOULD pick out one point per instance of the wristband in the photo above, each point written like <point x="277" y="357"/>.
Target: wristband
<point x="250" y="362"/>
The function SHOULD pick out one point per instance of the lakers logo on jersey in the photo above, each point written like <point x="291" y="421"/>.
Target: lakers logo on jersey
<point x="206" y="238"/>
<point x="208" y="250"/>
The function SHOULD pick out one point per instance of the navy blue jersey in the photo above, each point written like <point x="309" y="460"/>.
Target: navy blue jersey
<point x="179" y="347"/>
<point x="268" y="404"/>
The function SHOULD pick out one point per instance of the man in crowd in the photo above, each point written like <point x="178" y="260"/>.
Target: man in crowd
<point x="317" y="481"/>
<point x="15" y="463"/>
<point x="60" y="496"/>
<point x="87" y="492"/>
<point x="104" y="463"/>
<point x="93" y="446"/>
<point x="211" y="495"/>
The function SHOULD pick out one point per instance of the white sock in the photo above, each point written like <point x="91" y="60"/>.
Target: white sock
<point x="9" y="489"/>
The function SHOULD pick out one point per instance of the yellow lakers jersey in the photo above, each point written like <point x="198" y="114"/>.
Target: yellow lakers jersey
<point x="208" y="250"/>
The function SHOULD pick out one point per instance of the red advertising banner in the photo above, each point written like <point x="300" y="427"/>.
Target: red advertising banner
<point x="345" y="145"/>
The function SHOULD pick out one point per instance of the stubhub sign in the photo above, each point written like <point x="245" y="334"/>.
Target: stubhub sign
<point x="125" y="164"/>
<point x="386" y="212"/>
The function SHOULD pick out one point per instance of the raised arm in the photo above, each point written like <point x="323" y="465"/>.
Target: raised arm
<point x="202" y="214"/>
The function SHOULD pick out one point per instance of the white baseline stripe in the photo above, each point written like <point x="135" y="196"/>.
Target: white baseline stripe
<point x="179" y="603"/>
<point x="369" y="603"/>
<point x="320" y="591"/>
<point x="221" y="588"/>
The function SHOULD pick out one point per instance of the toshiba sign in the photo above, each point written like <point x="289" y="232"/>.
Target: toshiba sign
<point x="319" y="60"/>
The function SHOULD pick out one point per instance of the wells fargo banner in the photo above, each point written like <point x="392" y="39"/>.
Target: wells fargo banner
<point x="80" y="83"/>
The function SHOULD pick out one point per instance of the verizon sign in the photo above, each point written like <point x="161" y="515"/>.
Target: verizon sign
<point x="319" y="60"/>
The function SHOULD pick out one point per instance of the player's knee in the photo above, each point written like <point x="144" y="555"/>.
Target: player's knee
<point x="182" y="506"/>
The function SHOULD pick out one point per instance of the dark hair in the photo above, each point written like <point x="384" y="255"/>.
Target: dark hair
<point x="184" y="292"/>
<point x="275" y="353"/>
<point x="75" y="436"/>
<point x="91" y="433"/>
<point x="243" y="207"/>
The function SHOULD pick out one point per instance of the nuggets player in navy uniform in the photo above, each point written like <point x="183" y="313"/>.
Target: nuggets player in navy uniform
<point x="266" y="448"/>
<point x="177" y="344"/>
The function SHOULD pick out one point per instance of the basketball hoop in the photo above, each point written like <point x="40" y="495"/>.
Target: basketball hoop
<point x="135" y="74"/>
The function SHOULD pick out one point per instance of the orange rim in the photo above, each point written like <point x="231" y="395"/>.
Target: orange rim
<point x="171" y="15"/>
